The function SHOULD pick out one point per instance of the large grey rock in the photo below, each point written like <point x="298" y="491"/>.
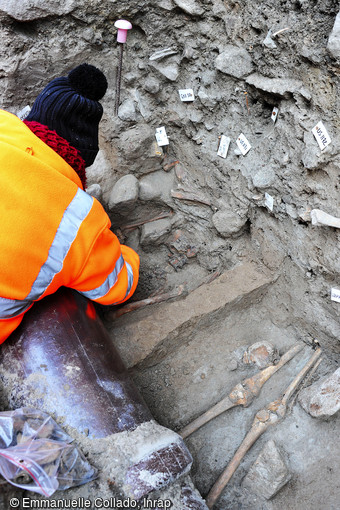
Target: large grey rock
<point x="95" y="191"/>
<point x="155" y="231"/>
<point x="312" y="157"/>
<point x="156" y="186"/>
<point x="228" y="223"/>
<point x="124" y="193"/>
<point x="234" y="61"/>
<point x="127" y="110"/>
<point x="28" y="10"/>
<point x="137" y="146"/>
<point x="170" y="70"/>
<point x="269" y="472"/>
<point x="151" y="85"/>
<point x="190" y="7"/>
<point x="208" y="98"/>
<point x="333" y="45"/>
<point x="100" y="173"/>
<point x="322" y="399"/>
<point x="283" y="87"/>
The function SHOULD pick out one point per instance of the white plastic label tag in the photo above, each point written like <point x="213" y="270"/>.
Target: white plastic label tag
<point x="321" y="135"/>
<point x="274" y="114"/>
<point x="186" y="95"/>
<point x="161" y="137"/>
<point x="335" y="295"/>
<point x="24" y="112"/>
<point x="243" y="144"/>
<point x="269" y="201"/>
<point x="224" y="146"/>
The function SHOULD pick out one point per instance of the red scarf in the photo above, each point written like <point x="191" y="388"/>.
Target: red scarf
<point x="61" y="147"/>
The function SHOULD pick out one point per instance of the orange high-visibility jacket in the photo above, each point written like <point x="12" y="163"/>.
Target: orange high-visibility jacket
<point x="52" y="233"/>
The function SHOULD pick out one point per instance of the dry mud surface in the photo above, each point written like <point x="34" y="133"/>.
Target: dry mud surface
<point x="213" y="214"/>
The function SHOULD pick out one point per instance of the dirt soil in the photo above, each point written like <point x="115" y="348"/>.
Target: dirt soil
<point x="201" y="216"/>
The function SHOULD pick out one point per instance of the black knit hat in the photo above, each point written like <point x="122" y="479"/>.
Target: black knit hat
<point x="69" y="105"/>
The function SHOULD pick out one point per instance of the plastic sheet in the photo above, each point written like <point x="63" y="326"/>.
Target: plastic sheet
<point x="36" y="454"/>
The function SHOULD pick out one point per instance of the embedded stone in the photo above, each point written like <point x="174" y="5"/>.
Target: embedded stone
<point x="234" y="61"/>
<point x="124" y="193"/>
<point x="190" y="7"/>
<point x="156" y="186"/>
<point x="29" y="10"/>
<point x="322" y="399"/>
<point x="269" y="472"/>
<point x="151" y="85"/>
<point x="283" y="87"/>
<point x="127" y="110"/>
<point x="155" y="231"/>
<point x="228" y="222"/>
<point x="263" y="177"/>
<point x="95" y="191"/>
<point x="170" y="71"/>
<point x="333" y="45"/>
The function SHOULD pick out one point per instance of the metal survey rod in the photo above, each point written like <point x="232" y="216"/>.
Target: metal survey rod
<point x="123" y="26"/>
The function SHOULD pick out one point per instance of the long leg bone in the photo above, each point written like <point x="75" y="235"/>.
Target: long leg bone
<point x="270" y="415"/>
<point x="242" y="394"/>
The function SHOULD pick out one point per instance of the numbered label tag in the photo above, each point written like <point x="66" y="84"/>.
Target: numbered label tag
<point x="24" y="112"/>
<point x="161" y="136"/>
<point x="243" y="144"/>
<point x="335" y="295"/>
<point x="275" y="113"/>
<point x="224" y="146"/>
<point x="268" y="201"/>
<point x="321" y="135"/>
<point x="186" y="95"/>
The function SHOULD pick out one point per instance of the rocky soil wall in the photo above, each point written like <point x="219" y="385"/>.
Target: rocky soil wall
<point x="208" y="213"/>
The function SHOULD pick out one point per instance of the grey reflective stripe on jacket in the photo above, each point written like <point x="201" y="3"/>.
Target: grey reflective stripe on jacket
<point x="110" y="281"/>
<point x="130" y="278"/>
<point x="67" y="232"/>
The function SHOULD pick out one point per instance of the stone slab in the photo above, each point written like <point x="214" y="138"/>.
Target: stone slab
<point x="322" y="399"/>
<point x="140" y="335"/>
<point x="269" y="472"/>
<point x="28" y="10"/>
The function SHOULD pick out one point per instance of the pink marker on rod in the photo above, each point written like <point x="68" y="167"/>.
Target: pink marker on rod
<point x="123" y="26"/>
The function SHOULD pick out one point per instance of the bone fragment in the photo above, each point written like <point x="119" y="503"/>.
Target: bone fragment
<point x="191" y="197"/>
<point x="321" y="218"/>
<point x="137" y="305"/>
<point x="280" y="31"/>
<point x="270" y="415"/>
<point x="163" y="53"/>
<point x="242" y="394"/>
<point x="150" y="220"/>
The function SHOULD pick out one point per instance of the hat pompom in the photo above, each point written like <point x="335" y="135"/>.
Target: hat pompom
<point x="88" y="81"/>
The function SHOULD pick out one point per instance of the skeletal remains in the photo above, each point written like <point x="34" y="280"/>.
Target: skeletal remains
<point x="320" y="218"/>
<point x="270" y="415"/>
<point x="242" y="394"/>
